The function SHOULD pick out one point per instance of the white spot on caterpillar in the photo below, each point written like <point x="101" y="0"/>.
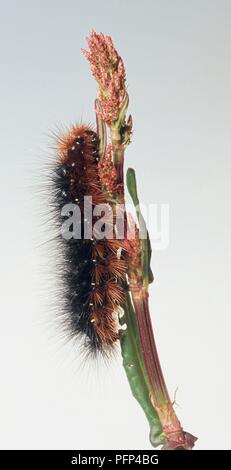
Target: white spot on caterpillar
<point x="121" y="313"/>
<point x="119" y="251"/>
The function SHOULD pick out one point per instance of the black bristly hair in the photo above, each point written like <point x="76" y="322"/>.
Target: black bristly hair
<point x="92" y="271"/>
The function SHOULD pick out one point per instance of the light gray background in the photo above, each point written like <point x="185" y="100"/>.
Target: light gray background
<point x="177" y="56"/>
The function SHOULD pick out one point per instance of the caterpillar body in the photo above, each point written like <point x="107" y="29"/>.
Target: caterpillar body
<point x="94" y="269"/>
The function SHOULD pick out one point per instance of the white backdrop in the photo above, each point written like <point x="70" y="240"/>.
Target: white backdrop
<point x="177" y="55"/>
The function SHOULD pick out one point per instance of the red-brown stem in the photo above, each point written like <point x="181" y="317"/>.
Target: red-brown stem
<point x="175" y="436"/>
<point x="140" y="301"/>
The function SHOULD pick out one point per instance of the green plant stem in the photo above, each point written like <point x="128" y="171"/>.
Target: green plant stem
<point x="175" y="436"/>
<point x="140" y="357"/>
<point x="136" y="372"/>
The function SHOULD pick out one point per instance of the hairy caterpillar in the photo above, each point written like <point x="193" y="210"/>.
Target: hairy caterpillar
<point x="94" y="269"/>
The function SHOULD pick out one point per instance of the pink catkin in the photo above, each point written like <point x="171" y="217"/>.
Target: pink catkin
<point x="107" y="171"/>
<point x="108" y="69"/>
